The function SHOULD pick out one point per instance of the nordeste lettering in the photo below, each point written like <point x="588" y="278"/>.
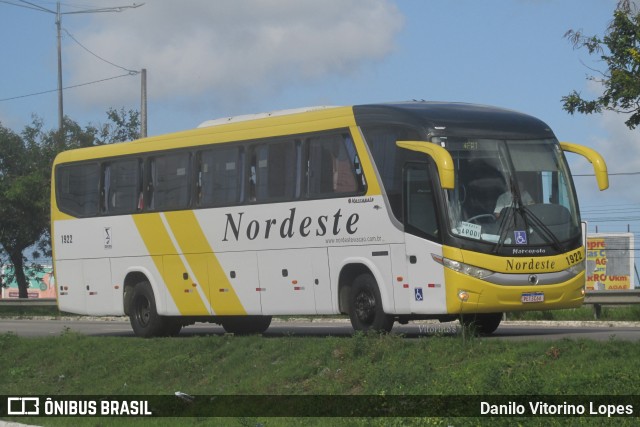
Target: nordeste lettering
<point x="289" y="227"/>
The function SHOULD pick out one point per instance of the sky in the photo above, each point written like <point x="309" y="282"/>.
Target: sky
<point x="208" y="59"/>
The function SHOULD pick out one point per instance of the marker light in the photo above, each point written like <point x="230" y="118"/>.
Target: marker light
<point x="460" y="267"/>
<point x="463" y="295"/>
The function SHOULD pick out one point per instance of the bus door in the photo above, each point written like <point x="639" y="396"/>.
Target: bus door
<point x="294" y="281"/>
<point x="187" y="283"/>
<point x="101" y="297"/>
<point x="422" y="240"/>
<point x="87" y="284"/>
<point x="235" y="281"/>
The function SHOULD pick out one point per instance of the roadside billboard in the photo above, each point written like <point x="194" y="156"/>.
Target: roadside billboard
<point x="41" y="283"/>
<point x="610" y="261"/>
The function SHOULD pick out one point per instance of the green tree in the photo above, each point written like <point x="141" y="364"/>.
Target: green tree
<point x="23" y="199"/>
<point x="122" y="126"/>
<point x="25" y="178"/>
<point x="619" y="50"/>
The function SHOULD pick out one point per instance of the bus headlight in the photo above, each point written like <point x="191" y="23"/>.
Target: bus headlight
<point x="461" y="267"/>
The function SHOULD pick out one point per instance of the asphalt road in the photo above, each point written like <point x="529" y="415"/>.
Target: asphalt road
<point x="41" y="327"/>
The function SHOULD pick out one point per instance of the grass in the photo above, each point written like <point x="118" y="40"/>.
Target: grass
<point x="73" y="364"/>
<point x="361" y="365"/>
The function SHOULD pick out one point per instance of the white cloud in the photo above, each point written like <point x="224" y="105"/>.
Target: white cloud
<point x="228" y="50"/>
<point x="620" y="148"/>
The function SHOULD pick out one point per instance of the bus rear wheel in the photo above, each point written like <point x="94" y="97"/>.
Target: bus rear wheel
<point x="245" y="325"/>
<point x="365" y="306"/>
<point x="144" y="317"/>
<point x="481" y="323"/>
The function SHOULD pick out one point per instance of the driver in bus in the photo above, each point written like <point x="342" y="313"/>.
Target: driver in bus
<point x="505" y="200"/>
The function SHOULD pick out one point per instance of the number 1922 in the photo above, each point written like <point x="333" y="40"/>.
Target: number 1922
<point x="574" y="257"/>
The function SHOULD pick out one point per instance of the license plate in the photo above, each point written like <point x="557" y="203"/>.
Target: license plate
<point x="532" y="297"/>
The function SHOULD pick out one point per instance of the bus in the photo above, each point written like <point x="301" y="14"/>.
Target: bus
<point x="383" y="212"/>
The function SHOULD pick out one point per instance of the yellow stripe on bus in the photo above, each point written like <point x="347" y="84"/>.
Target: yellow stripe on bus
<point x="161" y="249"/>
<point x="193" y="243"/>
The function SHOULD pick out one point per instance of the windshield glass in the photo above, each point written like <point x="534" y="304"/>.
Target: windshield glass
<point x="511" y="192"/>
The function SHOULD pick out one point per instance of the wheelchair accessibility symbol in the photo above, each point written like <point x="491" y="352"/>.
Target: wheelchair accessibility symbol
<point x="418" y="294"/>
<point x="521" y="237"/>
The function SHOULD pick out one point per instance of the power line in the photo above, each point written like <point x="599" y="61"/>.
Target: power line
<point x="611" y="212"/>
<point x="617" y="205"/>
<point x="610" y="174"/>
<point x="131" y="72"/>
<point x="613" y="208"/>
<point x="58" y="13"/>
<point x="26" y="6"/>
<point x="68" y="87"/>
<point x="628" y="220"/>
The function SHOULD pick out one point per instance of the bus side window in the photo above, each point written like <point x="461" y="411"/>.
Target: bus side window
<point x="105" y="191"/>
<point x="78" y="189"/>
<point x="420" y="204"/>
<point x="273" y="171"/>
<point x="169" y="178"/>
<point x="390" y="160"/>
<point x="333" y="167"/>
<point x="122" y="188"/>
<point x="219" y="180"/>
<point x="141" y="201"/>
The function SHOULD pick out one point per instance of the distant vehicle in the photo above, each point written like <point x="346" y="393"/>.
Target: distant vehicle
<point x="385" y="212"/>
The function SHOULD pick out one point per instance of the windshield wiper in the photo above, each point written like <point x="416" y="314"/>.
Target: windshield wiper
<point x="504" y="228"/>
<point x="541" y="226"/>
<point x="506" y="220"/>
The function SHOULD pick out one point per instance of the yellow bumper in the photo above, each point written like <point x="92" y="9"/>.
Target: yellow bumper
<point x="485" y="297"/>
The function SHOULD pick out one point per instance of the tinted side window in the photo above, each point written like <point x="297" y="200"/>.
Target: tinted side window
<point x="78" y="189"/>
<point x="333" y="167"/>
<point x="390" y="159"/>
<point x="272" y="174"/>
<point x="420" y="214"/>
<point x="169" y="181"/>
<point x="219" y="180"/>
<point x="122" y="187"/>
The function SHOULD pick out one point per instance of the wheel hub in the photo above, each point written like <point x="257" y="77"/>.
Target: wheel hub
<point x="365" y="306"/>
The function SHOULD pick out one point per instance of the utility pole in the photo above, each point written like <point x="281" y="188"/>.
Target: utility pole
<point x="59" y="14"/>
<point x="143" y="104"/>
<point x="60" y="104"/>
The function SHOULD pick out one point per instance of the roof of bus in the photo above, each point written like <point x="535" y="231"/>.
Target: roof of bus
<point x="455" y="119"/>
<point x="249" y="117"/>
<point x="434" y="118"/>
<point x="243" y="128"/>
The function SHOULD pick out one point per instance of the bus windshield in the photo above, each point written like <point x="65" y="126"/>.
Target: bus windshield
<point x="511" y="192"/>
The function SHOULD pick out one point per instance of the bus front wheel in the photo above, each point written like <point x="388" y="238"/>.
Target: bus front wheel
<point x="144" y="317"/>
<point x="365" y="306"/>
<point x="482" y="323"/>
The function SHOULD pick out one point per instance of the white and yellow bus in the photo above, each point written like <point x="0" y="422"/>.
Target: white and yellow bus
<point x="387" y="212"/>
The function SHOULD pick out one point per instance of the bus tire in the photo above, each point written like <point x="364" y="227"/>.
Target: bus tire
<point x="365" y="306"/>
<point x="172" y="327"/>
<point x="481" y="323"/>
<point x="144" y="317"/>
<point x="245" y="325"/>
